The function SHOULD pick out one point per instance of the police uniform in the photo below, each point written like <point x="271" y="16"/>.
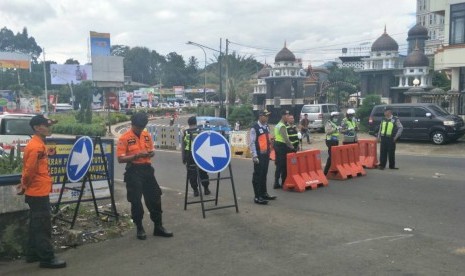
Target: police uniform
<point x="332" y="139"/>
<point x="282" y="146"/>
<point x="292" y="133"/>
<point x="349" y="130"/>
<point x="188" y="160"/>
<point x="140" y="180"/>
<point x="36" y="184"/>
<point x="389" y="131"/>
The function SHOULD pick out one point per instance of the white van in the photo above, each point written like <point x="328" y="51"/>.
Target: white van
<point x="318" y="114"/>
<point x="62" y="107"/>
<point x="15" y="130"/>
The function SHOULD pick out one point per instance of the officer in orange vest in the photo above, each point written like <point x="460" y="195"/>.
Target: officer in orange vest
<point x="260" y="147"/>
<point x="36" y="184"/>
<point x="135" y="148"/>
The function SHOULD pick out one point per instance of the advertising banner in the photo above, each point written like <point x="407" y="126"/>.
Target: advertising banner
<point x="58" y="150"/>
<point x="70" y="73"/>
<point x="10" y="60"/>
<point x="99" y="44"/>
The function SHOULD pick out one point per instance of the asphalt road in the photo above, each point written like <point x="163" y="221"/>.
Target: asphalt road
<point x="405" y="222"/>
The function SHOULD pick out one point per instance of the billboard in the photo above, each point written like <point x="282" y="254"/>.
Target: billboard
<point x="100" y="44"/>
<point x="108" y="69"/>
<point x="10" y="60"/>
<point x="70" y="73"/>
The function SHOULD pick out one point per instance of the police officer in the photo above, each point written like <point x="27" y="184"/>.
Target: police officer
<point x="36" y="183"/>
<point x="187" y="159"/>
<point x="135" y="148"/>
<point x="282" y="146"/>
<point x="390" y="130"/>
<point x="292" y="132"/>
<point x="260" y="147"/>
<point x="349" y="128"/>
<point x="332" y="137"/>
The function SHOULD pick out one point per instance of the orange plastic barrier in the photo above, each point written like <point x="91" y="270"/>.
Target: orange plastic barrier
<point x="368" y="153"/>
<point x="345" y="162"/>
<point x="304" y="171"/>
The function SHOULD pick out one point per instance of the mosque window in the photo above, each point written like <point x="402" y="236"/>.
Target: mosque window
<point x="411" y="70"/>
<point x="421" y="70"/>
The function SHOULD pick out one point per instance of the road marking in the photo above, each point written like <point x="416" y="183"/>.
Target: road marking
<point x="161" y="187"/>
<point x="391" y="238"/>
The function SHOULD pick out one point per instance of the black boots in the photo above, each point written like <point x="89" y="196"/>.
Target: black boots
<point x="53" y="263"/>
<point x="196" y="192"/>
<point x="260" y="200"/>
<point x="207" y="191"/>
<point x="141" y="232"/>
<point x="162" y="232"/>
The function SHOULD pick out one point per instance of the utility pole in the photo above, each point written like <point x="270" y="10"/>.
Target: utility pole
<point x="45" y="83"/>
<point x="220" y="60"/>
<point x="227" y="79"/>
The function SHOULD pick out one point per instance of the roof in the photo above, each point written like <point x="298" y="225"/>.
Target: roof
<point x="285" y="55"/>
<point x="352" y="58"/>
<point x="418" y="30"/>
<point x="264" y="72"/>
<point x="416" y="59"/>
<point x="384" y="43"/>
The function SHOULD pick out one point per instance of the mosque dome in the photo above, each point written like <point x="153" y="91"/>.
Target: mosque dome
<point x="384" y="43"/>
<point x="416" y="59"/>
<point x="285" y="55"/>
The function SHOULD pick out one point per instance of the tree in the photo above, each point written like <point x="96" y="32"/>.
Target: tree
<point x="440" y="80"/>
<point x="71" y="61"/>
<point x="21" y="42"/>
<point x="174" y="70"/>
<point x="365" y="109"/>
<point x="83" y="93"/>
<point x="192" y="72"/>
<point x="342" y="82"/>
<point x="119" y="50"/>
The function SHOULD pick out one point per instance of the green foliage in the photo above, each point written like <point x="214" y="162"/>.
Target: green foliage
<point x="205" y="110"/>
<point x="83" y="93"/>
<point x="365" y="109"/>
<point x="440" y="80"/>
<point x="12" y="162"/>
<point x="243" y="114"/>
<point x="21" y="42"/>
<point x="67" y="124"/>
<point x="13" y="234"/>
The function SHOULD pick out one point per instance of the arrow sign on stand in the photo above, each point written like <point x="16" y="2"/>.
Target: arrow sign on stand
<point x="211" y="151"/>
<point x="80" y="158"/>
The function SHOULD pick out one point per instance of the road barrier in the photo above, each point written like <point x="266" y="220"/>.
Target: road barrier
<point x="345" y="162"/>
<point x="239" y="141"/>
<point x="368" y="153"/>
<point x="304" y="171"/>
<point x="166" y="137"/>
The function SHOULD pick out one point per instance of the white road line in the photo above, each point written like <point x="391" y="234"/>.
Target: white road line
<point x="161" y="187"/>
<point x="392" y="238"/>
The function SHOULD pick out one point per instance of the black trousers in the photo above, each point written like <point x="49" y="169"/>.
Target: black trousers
<point x="140" y="180"/>
<point x="40" y="228"/>
<point x="192" y="176"/>
<point x="281" y="151"/>
<point x="260" y="172"/>
<point x="388" y="149"/>
<point x="329" y="144"/>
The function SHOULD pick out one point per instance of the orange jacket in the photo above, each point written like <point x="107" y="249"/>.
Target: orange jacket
<point x="130" y="144"/>
<point x="36" y="177"/>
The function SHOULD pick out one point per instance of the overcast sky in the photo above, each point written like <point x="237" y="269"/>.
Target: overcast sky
<point x="315" y="30"/>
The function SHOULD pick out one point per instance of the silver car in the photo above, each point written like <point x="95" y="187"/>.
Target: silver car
<point x="318" y="114"/>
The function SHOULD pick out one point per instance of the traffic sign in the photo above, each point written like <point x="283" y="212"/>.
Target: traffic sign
<point x="80" y="158"/>
<point x="211" y="151"/>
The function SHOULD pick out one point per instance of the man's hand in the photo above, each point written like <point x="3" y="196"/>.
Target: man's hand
<point x="20" y="189"/>
<point x="255" y="160"/>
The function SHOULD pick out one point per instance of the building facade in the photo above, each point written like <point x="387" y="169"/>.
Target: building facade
<point x="433" y="21"/>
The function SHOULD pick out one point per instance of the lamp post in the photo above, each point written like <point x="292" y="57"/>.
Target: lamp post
<point x="204" y="70"/>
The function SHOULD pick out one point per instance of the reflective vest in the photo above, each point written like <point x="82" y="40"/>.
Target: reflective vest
<point x="335" y="135"/>
<point x="187" y="138"/>
<point x="277" y="135"/>
<point x="262" y="139"/>
<point x="388" y="127"/>
<point x="292" y="134"/>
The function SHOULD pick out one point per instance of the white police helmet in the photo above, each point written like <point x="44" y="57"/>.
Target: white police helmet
<point x="334" y="113"/>
<point x="350" y="111"/>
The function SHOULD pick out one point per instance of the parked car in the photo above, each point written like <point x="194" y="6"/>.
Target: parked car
<point x="422" y="121"/>
<point x="214" y="123"/>
<point x="15" y="130"/>
<point x="318" y="114"/>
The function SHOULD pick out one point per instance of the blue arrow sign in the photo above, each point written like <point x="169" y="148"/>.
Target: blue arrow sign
<point x="80" y="158"/>
<point x="211" y="151"/>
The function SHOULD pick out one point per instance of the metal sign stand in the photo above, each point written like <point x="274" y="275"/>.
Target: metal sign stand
<point x="202" y="200"/>
<point x="87" y="177"/>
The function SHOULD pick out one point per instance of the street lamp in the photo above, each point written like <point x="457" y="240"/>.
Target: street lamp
<point x="45" y="82"/>
<point x="204" y="70"/>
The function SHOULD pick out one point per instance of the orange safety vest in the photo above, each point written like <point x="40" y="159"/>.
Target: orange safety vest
<point x="36" y="176"/>
<point x="130" y="144"/>
<point x="262" y="142"/>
